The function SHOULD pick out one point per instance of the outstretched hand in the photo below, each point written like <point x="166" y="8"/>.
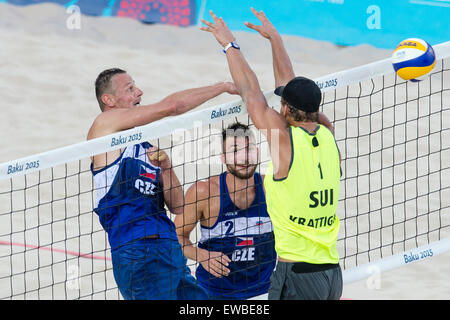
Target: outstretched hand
<point x="266" y="29"/>
<point x="219" y="29"/>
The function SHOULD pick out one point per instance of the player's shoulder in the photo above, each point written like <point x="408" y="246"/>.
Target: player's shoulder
<point x="209" y="185"/>
<point x="205" y="188"/>
<point x="103" y="123"/>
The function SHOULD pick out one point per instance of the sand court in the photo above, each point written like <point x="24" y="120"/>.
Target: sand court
<point x="393" y="138"/>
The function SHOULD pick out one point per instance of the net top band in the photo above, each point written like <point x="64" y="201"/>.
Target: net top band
<point x="188" y="121"/>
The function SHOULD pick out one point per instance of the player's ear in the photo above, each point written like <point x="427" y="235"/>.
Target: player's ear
<point x="284" y="110"/>
<point x="222" y="154"/>
<point x="108" y="100"/>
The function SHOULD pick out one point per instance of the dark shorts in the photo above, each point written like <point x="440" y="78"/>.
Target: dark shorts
<point x="154" y="269"/>
<point x="303" y="281"/>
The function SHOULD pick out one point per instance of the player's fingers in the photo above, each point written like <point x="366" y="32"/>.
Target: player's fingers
<point x="208" y="266"/>
<point x="252" y="26"/>
<point x="214" y="273"/>
<point x="222" y="258"/>
<point x="225" y="271"/>
<point x="226" y="259"/>
<point x="154" y="155"/>
<point x="213" y="15"/>
<point x="215" y="269"/>
<point x="260" y="15"/>
<point x="221" y="21"/>
<point x="152" y="152"/>
<point x="224" y="263"/>
<point x="219" y="265"/>
<point x="220" y="268"/>
<point x="209" y="24"/>
<point x="157" y="155"/>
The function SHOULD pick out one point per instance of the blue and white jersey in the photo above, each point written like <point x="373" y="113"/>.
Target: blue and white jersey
<point x="130" y="198"/>
<point x="246" y="237"/>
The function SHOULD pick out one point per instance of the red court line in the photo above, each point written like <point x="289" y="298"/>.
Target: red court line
<point x="72" y="253"/>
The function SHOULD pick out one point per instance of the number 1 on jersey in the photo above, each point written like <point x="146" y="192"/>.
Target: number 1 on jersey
<point x="320" y="170"/>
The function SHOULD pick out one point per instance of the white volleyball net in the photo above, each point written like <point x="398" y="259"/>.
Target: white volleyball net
<point x="395" y="190"/>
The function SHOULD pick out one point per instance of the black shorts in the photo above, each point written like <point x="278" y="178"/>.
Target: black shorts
<point x="304" y="281"/>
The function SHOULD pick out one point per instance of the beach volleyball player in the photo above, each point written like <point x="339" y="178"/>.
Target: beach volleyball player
<point x="133" y="186"/>
<point x="236" y="251"/>
<point x="302" y="179"/>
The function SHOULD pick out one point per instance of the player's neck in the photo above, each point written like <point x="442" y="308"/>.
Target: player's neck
<point x="241" y="191"/>
<point x="307" y="125"/>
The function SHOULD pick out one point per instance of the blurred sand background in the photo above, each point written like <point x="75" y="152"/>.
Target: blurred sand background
<point x="48" y="100"/>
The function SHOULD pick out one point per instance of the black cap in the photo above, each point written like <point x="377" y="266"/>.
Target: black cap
<point x="301" y="93"/>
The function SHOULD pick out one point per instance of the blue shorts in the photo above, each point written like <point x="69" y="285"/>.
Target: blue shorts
<point x="154" y="269"/>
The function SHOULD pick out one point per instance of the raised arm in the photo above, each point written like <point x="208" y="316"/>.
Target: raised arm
<point x="245" y="79"/>
<point x="266" y="119"/>
<point x="282" y="66"/>
<point x="177" y="103"/>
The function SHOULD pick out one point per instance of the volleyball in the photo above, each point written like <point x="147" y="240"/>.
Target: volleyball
<point x="413" y="59"/>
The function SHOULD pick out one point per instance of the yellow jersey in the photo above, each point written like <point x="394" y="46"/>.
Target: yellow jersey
<point x="303" y="205"/>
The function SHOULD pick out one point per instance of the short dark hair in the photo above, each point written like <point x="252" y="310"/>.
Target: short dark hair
<point x="103" y="83"/>
<point x="235" y="129"/>
<point x="300" y="115"/>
